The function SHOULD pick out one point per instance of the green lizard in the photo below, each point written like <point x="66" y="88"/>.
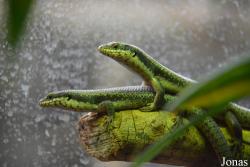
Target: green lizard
<point x="160" y="78"/>
<point x="154" y="74"/>
<point x="124" y="98"/>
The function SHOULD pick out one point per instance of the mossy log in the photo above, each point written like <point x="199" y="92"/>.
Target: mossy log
<point x="132" y="131"/>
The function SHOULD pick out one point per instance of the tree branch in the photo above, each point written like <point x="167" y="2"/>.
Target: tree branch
<point x="132" y="131"/>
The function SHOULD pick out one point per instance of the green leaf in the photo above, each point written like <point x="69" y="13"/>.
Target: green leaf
<point x="215" y="92"/>
<point x="156" y="148"/>
<point x="170" y="137"/>
<point x="17" y="14"/>
<point x="226" y="85"/>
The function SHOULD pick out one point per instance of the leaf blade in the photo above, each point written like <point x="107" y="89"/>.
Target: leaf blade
<point x="236" y="76"/>
<point x="230" y="84"/>
<point x="168" y="139"/>
<point x="17" y="14"/>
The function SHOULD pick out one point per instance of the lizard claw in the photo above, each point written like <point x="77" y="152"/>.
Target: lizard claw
<point x="236" y="149"/>
<point x="107" y="106"/>
<point x="109" y="122"/>
<point x="149" y="108"/>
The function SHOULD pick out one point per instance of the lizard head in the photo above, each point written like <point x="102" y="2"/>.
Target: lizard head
<point x="121" y="52"/>
<point x="54" y="99"/>
<point x="66" y="99"/>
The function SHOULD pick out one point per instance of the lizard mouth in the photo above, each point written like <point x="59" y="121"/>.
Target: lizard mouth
<point x="44" y="102"/>
<point x="105" y="50"/>
<point x="115" y="54"/>
<point x="110" y="50"/>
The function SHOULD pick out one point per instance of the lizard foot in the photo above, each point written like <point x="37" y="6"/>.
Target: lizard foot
<point x="109" y="121"/>
<point x="148" y="108"/>
<point x="236" y="150"/>
<point x="107" y="106"/>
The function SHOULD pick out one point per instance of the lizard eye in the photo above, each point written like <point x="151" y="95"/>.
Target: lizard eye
<point x="69" y="97"/>
<point x="49" y="97"/>
<point x="133" y="54"/>
<point x="115" y="45"/>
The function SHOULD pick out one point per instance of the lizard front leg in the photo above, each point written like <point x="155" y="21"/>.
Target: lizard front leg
<point x="159" y="96"/>
<point x="108" y="107"/>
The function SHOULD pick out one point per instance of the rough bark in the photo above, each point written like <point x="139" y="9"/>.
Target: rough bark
<point x="132" y="131"/>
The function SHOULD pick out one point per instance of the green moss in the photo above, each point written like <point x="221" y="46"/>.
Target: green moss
<point x="132" y="131"/>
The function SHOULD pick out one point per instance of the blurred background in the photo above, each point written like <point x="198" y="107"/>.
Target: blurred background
<point x="59" y="51"/>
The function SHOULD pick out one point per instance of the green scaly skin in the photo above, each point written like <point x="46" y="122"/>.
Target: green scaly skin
<point x="153" y="73"/>
<point x="160" y="78"/>
<point x="138" y="61"/>
<point x="125" y="98"/>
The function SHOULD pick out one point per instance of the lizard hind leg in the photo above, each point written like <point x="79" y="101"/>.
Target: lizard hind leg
<point x="107" y="107"/>
<point x="214" y="135"/>
<point x="235" y="130"/>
